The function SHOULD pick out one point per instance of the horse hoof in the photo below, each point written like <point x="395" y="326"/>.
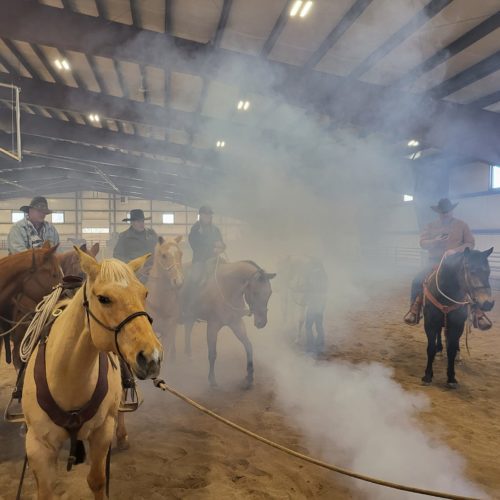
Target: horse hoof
<point x="213" y="384"/>
<point x="122" y="443"/>
<point x="452" y="385"/>
<point x="426" y="380"/>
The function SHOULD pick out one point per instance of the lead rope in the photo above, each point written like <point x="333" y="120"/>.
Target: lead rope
<point x="21" y="481"/>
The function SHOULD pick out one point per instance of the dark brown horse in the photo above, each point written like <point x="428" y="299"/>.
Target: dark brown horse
<point x="460" y="280"/>
<point x="24" y="279"/>
<point x="232" y="291"/>
<point x="70" y="263"/>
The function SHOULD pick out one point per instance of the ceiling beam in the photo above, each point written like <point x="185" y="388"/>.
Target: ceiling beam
<point x="332" y="38"/>
<point x="487" y="100"/>
<point x="224" y="17"/>
<point x="278" y="27"/>
<point x="168" y="17"/>
<point x="12" y="47"/>
<point x="455" y="47"/>
<point x="415" y="23"/>
<point x="467" y="76"/>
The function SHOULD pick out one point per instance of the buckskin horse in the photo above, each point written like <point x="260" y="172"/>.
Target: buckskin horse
<point x="461" y="280"/>
<point x="72" y="385"/>
<point x="25" y="277"/>
<point x="222" y="301"/>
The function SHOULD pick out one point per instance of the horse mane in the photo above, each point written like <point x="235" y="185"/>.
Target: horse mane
<point x="116" y="271"/>
<point x="254" y="264"/>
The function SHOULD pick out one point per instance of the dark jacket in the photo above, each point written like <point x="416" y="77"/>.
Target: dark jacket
<point x="202" y="240"/>
<point x="132" y="244"/>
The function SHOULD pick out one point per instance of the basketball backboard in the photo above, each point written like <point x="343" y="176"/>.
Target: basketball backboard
<point x="10" y="121"/>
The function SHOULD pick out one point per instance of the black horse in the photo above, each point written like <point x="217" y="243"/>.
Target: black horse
<point x="461" y="279"/>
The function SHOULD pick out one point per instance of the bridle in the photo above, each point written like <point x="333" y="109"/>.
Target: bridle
<point x="469" y="288"/>
<point x="32" y="275"/>
<point x="115" y="329"/>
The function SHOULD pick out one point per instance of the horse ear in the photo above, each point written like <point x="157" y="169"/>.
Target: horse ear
<point x="83" y="248"/>
<point x="270" y="276"/>
<point x="488" y="252"/>
<point x="161" y="240"/>
<point x="136" y="264"/>
<point x="94" y="249"/>
<point x="88" y="264"/>
<point x="51" y="251"/>
<point x="178" y="239"/>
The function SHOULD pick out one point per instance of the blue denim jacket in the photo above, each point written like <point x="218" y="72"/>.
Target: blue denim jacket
<point x="23" y="236"/>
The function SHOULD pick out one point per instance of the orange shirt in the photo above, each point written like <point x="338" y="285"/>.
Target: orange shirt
<point x="457" y="234"/>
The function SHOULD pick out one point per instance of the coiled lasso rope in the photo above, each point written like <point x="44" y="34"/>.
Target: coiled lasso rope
<point x="346" y="472"/>
<point x="42" y="312"/>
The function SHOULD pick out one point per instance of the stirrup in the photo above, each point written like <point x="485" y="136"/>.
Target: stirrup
<point x="129" y="404"/>
<point x="12" y="414"/>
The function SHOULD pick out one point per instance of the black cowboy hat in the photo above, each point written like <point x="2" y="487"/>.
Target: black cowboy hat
<point x="205" y="209"/>
<point x="136" y="214"/>
<point x="38" y="202"/>
<point x="444" y="206"/>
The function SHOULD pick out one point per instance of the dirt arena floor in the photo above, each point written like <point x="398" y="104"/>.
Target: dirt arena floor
<point x="177" y="452"/>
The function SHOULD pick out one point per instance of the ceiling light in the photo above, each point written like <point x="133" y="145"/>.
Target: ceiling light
<point x="407" y="197"/>
<point x="94" y="117"/>
<point x="417" y="155"/>
<point x="246" y="105"/>
<point x="58" y="64"/>
<point x="413" y="143"/>
<point x="65" y="64"/>
<point x="240" y="105"/>
<point x="295" y="8"/>
<point x="62" y="64"/>
<point x="221" y="144"/>
<point x="305" y="10"/>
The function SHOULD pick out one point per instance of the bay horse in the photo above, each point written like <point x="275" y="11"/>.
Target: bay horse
<point x="223" y="300"/>
<point x="461" y="279"/>
<point x="25" y="278"/>
<point x="104" y="320"/>
<point x="164" y="282"/>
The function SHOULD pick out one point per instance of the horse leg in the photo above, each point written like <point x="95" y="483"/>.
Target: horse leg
<point x="320" y="333"/>
<point x="452" y="346"/>
<point x="121" y="432"/>
<point x="188" y="328"/>
<point x="439" y="345"/>
<point x="212" y="331"/>
<point x="99" y="443"/>
<point x="309" y="332"/>
<point x="240" y="331"/>
<point x="42" y="458"/>
<point x="431" y="331"/>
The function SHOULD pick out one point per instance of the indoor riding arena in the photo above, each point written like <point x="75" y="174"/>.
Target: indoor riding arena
<point x="249" y="249"/>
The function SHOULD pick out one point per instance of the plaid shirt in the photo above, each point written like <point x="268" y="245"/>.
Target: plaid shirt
<point x="23" y="236"/>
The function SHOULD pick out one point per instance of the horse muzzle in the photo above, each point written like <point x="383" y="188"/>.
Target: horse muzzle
<point x="147" y="366"/>
<point x="260" y="322"/>
<point x="487" y="305"/>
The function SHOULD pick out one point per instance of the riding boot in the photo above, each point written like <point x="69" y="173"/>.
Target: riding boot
<point x="412" y="317"/>
<point x="480" y="320"/>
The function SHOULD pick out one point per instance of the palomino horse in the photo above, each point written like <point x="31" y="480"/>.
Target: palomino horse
<point x="222" y="302"/>
<point x="70" y="263"/>
<point x="68" y="369"/>
<point x="26" y="277"/>
<point x="164" y="281"/>
<point x="461" y="279"/>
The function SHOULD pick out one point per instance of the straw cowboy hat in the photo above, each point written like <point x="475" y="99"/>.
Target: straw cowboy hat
<point x="444" y="206"/>
<point x="136" y="214"/>
<point x="39" y="203"/>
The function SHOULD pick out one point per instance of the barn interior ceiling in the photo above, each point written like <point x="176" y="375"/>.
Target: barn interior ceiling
<point x="141" y="97"/>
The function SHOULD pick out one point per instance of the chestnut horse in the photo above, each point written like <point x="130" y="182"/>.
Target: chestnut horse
<point x="70" y="366"/>
<point x="223" y="300"/>
<point x="25" y="278"/>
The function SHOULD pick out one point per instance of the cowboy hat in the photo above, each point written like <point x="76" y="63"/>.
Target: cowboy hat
<point x="39" y="203"/>
<point x="136" y="214"/>
<point x="444" y="206"/>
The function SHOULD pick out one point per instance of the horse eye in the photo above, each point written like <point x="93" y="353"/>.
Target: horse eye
<point x="103" y="299"/>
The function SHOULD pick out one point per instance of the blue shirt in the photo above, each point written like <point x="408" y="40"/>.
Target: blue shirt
<point x="23" y="236"/>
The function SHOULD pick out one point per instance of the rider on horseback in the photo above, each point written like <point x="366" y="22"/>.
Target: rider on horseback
<point x="443" y="237"/>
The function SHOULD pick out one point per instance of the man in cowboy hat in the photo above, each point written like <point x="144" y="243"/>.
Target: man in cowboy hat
<point x="137" y="240"/>
<point x="33" y="230"/>
<point x="206" y="242"/>
<point x="444" y="236"/>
